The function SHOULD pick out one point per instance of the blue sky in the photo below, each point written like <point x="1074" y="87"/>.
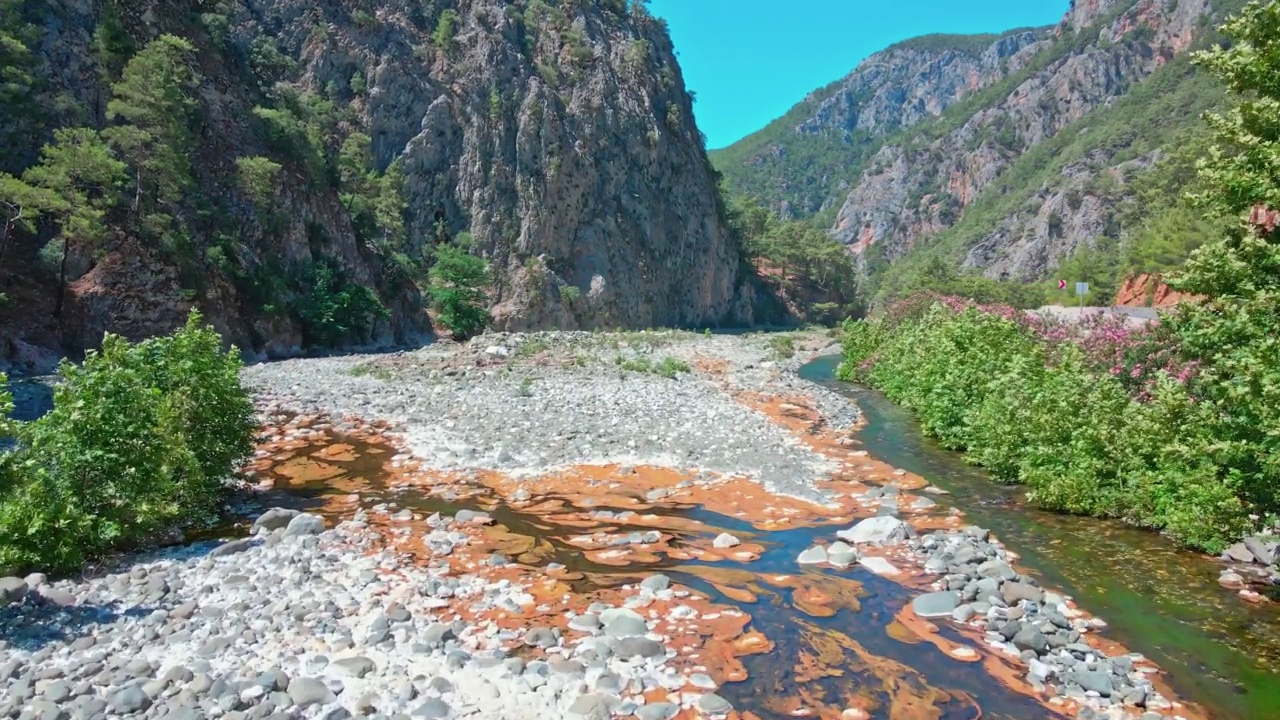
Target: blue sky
<point x="749" y="61"/>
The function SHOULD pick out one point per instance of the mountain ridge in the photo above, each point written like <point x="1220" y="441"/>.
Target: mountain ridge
<point x="553" y="138"/>
<point x="943" y="179"/>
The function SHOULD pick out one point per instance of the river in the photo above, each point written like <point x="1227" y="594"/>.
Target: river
<point x="1220" y="651"/>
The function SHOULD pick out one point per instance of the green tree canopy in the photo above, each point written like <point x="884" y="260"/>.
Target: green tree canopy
<point x="153" y="105"/>
<point x="457" y="282"/>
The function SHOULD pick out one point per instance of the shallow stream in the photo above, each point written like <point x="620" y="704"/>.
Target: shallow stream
<point x="846" y="649"/>
<point x="1219" y="650"/>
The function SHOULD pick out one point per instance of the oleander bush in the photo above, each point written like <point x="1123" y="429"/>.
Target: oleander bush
<point x="1085" y="416"/>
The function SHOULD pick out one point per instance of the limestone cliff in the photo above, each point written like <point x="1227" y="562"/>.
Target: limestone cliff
<point x="1004" y="154"/>
<point x="559" y="135"/>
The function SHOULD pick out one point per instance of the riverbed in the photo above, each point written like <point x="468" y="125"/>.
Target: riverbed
<point x="1165" y="602"/>
<point x="586" y="525"/>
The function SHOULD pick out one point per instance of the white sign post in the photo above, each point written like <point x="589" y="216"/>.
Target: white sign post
<point x="1082" y="289"/>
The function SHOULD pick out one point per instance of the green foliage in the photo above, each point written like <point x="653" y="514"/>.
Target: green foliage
<point x="782" y="346"/>
<point x="153" y="106"/>
<point x="802" y="260"/>
<point x="1039" y="416"/>
<point x="112" y="44"/>
<point x="18" y="81"/>
<point x="669" y="367"/>
<point x="457" y="287"/>
<point x="495" y="104"/>
<point x="81" y="178"/>
<point x="376" y="201"/>
<point x="570" y="293"/>
<point x="22" y="205"/>
<point x="257" y="177"/>
<point x="140" y="440"/>
<point x="297" y="138"/>
<point x="268" y="64"/>
<point x="1200" y="460"/>
<point x="938" y="276"/>
<point x="1233" y="333"/>
<point x="334" y="309"/>
<point x="446" y="27"/>
<point x="363" y="18"/>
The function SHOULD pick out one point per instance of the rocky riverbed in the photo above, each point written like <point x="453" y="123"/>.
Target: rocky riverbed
<point x="567" y="525"/>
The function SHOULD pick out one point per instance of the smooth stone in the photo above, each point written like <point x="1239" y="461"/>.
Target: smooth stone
<point x="879" y="566"/>
<point x="275" y="519"/>
<point x="304" y="524"/>
<point x="1029" y="638"/>
<point x="724" y="541"/>
<point x="1012" y="592"/>
<point x="130" y="699"/>
<point x="713" y="704"/>
<point x="656" y="583"/>
<point x="355" y="666"/>
<point x="12" y="589"/>
<point x="657" y="711"/>
<point x="585" y="623"/>
<point x="541" y="637"/>
<point x="232" y="548"/>
<point x="432" y="708"/>
<point x="1264" y="550"/>
<point x="841" y="554"/>
<point x="1239" y="553"/>
<point x="620" y="622"/>
<point x="1099" y="682"/>
<point x="936" y="604"/>
<point x="590" y="707"/>
<point x="703" y="681"/>
<point x="644" y="647"/>
<point x="815" y="555"/>
<point x="880" y="530"/>
<point x="305" y="692"/>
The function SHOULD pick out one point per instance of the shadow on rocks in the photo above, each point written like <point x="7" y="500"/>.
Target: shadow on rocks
<point x="38" y="620"/>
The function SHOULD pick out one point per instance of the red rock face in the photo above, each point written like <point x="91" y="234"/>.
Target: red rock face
<point x="1148" y="290"/>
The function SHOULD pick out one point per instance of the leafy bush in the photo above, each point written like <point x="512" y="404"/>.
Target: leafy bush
<point x="141" y="439"/>
<point x="782" y="346"/>
<point x="446" y="26"/>
<point x="669" y="367"/>
<point x="570" y="293"/>
<point x="334" y="309"/>
<point x="458" y="279"/>
<point x="1045" y="405"/>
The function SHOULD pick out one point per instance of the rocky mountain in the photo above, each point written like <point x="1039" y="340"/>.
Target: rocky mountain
<point x="332" y="145"/>
<point x="1004" y="154"/>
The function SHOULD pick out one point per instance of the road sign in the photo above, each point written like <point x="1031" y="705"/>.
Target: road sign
<point x="1062" y="284"/>
<point x="1082" y="289"/>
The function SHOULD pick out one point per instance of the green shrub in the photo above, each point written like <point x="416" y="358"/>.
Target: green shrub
<point x="457" y="282"/>
<point x="334" y="309"/>
<point x="141" y="439"/>
<point x="570" y="293"/>
<point x="782" y="346"/>
<point x="446" y="26"/>
<point x="1040" y="415"/>
<point x="670" y="367"/>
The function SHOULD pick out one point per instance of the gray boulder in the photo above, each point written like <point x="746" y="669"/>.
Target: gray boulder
<point x="304" y="524"/>
<point x="274" y="519"/>
<point x="880" y="530"/>
<point x="12" y="589"/>
<point x="1263" y="549"/>
<point x="937" y="604"/>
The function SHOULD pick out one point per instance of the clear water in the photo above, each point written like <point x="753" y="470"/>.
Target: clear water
<point x="1220" y="651"/>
